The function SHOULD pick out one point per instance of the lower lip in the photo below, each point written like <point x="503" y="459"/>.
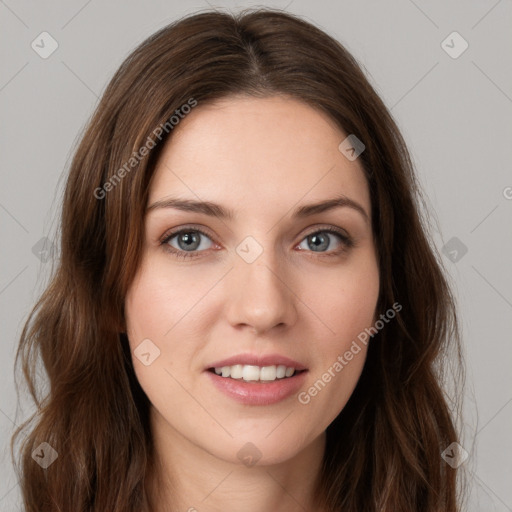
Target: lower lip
<point x="258" y="393"/>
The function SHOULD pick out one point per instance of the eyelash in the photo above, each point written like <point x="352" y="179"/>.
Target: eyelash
<point x="347" y="242"/>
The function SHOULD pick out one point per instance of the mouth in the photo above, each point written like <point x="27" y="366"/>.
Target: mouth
<point x="256" y="374"/>
<point x="257" y="379"/>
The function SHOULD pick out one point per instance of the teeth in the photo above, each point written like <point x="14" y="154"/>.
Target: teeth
<point x="255" y="373"/>
<point x="251" y="372"/>
<point x="289" y="372"/>
<point x="268" y="373"/>
<point x="237" y="371"/>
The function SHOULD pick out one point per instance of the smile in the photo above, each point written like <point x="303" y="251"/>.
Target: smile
<point x="255" y="373"/>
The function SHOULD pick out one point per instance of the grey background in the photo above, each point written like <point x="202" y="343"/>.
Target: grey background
<point x="455" y="115"/>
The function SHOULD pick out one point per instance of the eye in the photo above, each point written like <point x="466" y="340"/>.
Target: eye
<point x="321" y="240"/>
<point x="188" y="240"/>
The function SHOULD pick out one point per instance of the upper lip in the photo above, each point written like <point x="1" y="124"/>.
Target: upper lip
<point x="258" y="360"/>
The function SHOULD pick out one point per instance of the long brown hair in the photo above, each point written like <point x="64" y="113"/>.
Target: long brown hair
<point x="384" y="449"/>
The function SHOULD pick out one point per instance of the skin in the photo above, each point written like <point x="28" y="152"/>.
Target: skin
<point x="275" y="154"/>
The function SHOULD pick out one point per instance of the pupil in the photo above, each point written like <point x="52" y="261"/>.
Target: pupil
<point x="322" y="244"/>
<point x="189" y="240"/>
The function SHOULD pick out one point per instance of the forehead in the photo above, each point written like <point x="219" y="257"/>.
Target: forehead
<point x="253" y="151"/>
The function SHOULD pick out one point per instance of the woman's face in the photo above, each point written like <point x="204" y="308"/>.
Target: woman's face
<point x="266" y="285"/>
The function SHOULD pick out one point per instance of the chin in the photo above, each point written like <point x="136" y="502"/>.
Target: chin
<point x="259" y="449"/>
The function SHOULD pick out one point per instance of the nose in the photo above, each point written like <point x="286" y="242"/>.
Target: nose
<point x="261" y="295"/>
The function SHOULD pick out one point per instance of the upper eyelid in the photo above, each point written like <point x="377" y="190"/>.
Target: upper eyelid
<point x="173" y="232"/>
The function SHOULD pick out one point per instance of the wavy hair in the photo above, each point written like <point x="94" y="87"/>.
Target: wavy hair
<point x="383" y="450"/>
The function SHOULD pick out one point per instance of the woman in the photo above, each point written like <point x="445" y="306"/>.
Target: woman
<point x="247" y="312"/>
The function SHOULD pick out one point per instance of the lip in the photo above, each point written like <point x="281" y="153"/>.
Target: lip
<point x="258" y="360"/>
<point x="258" y="393"/>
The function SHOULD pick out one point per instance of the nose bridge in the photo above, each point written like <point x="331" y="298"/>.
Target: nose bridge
<point x="262" y="297"/>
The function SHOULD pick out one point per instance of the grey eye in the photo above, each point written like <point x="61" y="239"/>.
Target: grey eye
<point x="189" y="240"/>
<point x="319" y="241"/>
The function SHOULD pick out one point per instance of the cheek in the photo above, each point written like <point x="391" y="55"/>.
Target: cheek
<point x="163" y="294"/>
<point x="152" y="308"/>
<point x="148" y="318"/>
<point x="160" y="297"/>
<point x="143" y="308"/>
<point x="164" y="307"/>
<point x="344" y="299"/>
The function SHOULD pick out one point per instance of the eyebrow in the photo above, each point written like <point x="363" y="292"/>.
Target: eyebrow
<point x="216" y="210"/>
